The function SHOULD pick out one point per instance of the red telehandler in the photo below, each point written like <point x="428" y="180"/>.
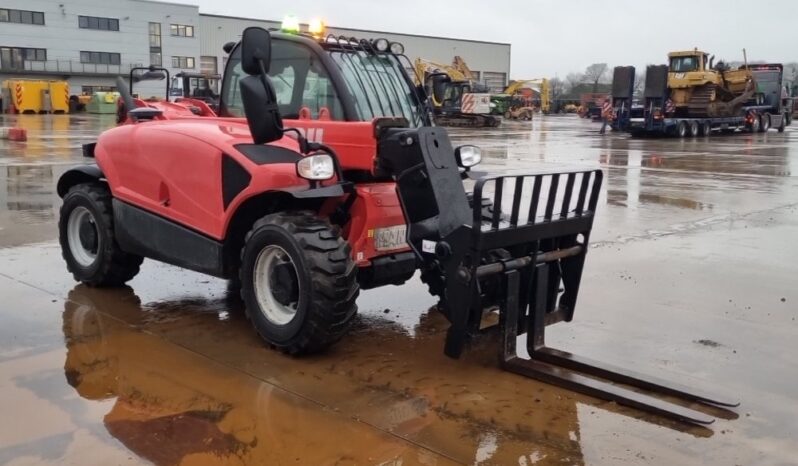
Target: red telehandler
<point x="322" y="174"/>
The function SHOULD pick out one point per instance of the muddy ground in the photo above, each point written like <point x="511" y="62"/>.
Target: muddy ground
<point x="691" y="277"/>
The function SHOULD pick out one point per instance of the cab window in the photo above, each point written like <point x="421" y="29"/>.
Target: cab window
<point x="299" y="79"/>
<point x="684" y="64"/>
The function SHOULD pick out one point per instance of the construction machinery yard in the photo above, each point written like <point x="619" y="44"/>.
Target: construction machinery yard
<point x="689" y="278"/>
<point x="333" y="251"/>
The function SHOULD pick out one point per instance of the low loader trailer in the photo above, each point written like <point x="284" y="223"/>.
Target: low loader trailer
<point x="767" y="109"/>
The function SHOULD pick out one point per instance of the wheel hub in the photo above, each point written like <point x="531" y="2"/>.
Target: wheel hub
<point x="284" y="285"/>
<point x="82" y="236"/>
<point x="276" y="285"/>
<point x="88" y="235"/>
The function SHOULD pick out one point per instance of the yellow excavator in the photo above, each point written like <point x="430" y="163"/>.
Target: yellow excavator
<point x="510" y="105"/>
<point x="458" y="99"/>
<point x="700" y="88"/>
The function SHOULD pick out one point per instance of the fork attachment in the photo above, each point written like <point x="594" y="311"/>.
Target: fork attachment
<point x="527" y="259"/>
<point x="538" y="281"/>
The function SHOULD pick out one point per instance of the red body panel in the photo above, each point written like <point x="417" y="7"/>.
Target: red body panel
<point x="174" y="170"/>
<point x="377" y="206"/>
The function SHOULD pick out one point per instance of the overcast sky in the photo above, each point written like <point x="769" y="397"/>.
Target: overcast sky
<point x="555" y="37"/>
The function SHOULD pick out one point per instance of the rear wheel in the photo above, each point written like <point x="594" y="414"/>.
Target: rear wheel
<point x="86" y="234"/>
<point x="783" y="124"/>
<point x="298" y="282"/>
<point x="765" y="126"/>
<point x="681" y="129"/>
<point x="706" y="128"/>
<point x="694" y="129"/>
<point x="756" y="123"/>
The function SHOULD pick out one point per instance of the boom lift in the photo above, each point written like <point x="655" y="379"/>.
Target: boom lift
<point x="307" y="193"/>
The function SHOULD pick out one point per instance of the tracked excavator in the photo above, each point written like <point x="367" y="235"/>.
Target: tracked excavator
<point x="456" y="96"/>
<point x="699" y="88"/>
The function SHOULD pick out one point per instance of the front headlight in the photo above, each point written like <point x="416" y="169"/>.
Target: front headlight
<point x="468" y="156"/>
<point x="316" y="167"/>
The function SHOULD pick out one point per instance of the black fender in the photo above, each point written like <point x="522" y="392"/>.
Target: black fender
<point x="78" y="175"/>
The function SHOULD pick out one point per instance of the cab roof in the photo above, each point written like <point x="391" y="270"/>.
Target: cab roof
<point x="686" y="53"/>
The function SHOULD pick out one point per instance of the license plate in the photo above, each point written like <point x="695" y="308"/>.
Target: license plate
<point x="389" y="238"/>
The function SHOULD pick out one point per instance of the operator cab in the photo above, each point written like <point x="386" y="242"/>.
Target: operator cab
<point x="332" y="78"/>
<point x="685" y="62"/>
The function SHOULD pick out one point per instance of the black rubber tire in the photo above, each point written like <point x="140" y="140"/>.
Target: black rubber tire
<point x="783" y="124"/>
<point x="695" y="129"/>
<point x="764" y="126"/>
<point x="112" y="266"/>
<point x="327" y="281"/>
<point x="681" y="129"/>
<point x="756" y="125"/>
<point x="706" y="128"/>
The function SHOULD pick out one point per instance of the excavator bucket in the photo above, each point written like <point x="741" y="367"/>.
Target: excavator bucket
<point x="526" y="259"/>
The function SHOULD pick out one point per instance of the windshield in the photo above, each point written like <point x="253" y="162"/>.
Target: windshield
<point x="684" y="64"/>
<point x="378" y="86"/>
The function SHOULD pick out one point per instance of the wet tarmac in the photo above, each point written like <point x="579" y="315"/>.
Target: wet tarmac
<point x="691" y="277"/>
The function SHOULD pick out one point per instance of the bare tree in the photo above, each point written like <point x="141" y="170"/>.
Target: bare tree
<point x="572" y="80"/>
<point x="556" y="88"/>
<point x="639" y="84"/>
<point x="595" y="74"/>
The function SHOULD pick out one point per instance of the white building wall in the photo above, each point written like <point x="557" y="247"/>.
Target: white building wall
<point x="64" y="39"/>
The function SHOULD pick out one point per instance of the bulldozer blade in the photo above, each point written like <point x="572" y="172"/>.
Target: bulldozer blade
<point x="625" y="376"/>
<point x="571" y="380"/>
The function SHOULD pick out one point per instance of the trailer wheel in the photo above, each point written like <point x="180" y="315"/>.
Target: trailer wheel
<point x="765" y="126"/>
<point x="756" y="124"/>
<point x="298" y="282"/>
<point x="694" y="129"/>
<point x="706" y="128"/>
<point x="88" y="244"/>
<point x="783" y="124"/>
<point x="681" y="129"/>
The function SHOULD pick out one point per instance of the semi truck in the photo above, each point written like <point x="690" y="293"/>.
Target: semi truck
<point x="768" y="107"/>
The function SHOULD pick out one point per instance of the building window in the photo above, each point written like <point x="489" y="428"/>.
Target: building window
<point x="156" y="58"/>
<point x="14" y="58"/>
<point x="183" y="62"/>
<point x="100" y="58"/>
<point x="103" y="24"/>
<point x="181" y="30"/>
<point x="21" y="16"/>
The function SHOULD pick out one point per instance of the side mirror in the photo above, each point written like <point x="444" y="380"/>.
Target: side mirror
<point x="439" y="82"/>
<point x="256" y="51"/>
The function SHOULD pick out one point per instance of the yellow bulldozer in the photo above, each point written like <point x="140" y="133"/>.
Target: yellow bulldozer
<point x="700" y="88"/>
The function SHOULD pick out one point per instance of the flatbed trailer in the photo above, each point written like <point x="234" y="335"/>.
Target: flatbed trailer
<point x="770" y="109"/>
<point x="755" y="118"/>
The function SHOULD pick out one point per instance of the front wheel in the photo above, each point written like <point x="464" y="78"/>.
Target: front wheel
<point x="86" y="234"/>
<point x="298" y="282"/>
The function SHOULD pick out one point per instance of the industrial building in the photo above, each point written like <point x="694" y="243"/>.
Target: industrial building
<point x="91" y="42"/>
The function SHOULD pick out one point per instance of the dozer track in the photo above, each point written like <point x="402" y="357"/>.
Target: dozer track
<point x="468" y="120"/>
<point x="700" y="101"/>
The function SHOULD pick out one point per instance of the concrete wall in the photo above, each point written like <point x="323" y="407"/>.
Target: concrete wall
<point x="484" y="57"/>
